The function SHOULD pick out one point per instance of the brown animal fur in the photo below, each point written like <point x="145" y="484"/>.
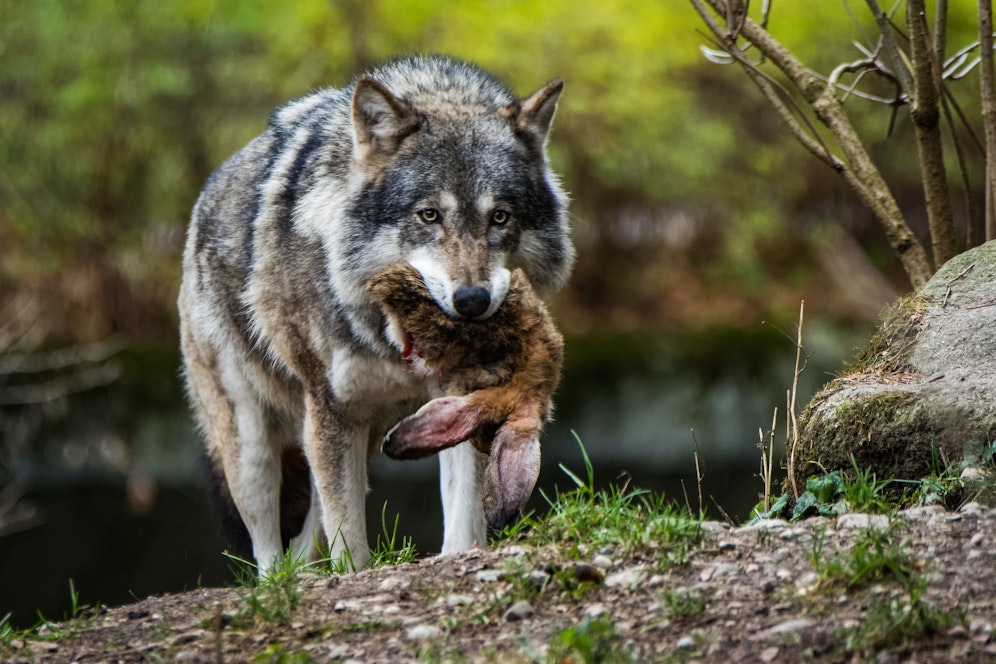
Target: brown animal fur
<point x="498" y="377"/>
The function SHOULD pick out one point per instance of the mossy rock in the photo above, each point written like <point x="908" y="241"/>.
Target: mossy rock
<point x="923" y="390"/>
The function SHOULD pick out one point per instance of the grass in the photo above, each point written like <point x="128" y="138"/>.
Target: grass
<point x="685" y="602"/>
<point x="592" y="642"/>
<point x="879" y="556"/>
<point x="585" y="520"/>
<point x="386" y="550"/>
<point x="273" y="598"/>
<point x="78" y="619"/>
<point x="875" y="555"/>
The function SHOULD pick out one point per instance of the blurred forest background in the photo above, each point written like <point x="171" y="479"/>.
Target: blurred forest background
<point x="695" y="214"/>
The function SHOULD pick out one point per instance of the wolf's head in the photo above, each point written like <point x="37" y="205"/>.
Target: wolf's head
<point x="450" y="174"/>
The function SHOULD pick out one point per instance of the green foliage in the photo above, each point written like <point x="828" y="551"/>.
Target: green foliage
<point x="876" y="554"/>
<point x="273" y="598"/>
<point x="836" y="493"/>
<point x="947" y="484"/>
<point x="624" y="519"/>
<point x="880" y="556"/>
<point x="894" y="619"/>
<point x="114" y="113"/>
<point x="277" y="654"/>
<point x="591" y="641"/>
<point x="685" y="602"/>
<point x="386" y="550"/>
<point x="78" y="619"/>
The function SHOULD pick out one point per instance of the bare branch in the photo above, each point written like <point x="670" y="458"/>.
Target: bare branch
<point x="926" y="115"/>
<point x="861" y="173"/>
<point x="988" y="92"/>
<point x="780" y="99"/>
<point x="966" y="185"/>
<point x="940" y="30"/>
<point x="57" y="388"/>
<point x="59" y="359"/>
<point x="892" y="56"/>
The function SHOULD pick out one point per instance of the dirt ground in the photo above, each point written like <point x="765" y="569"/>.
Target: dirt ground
<point x="747" y="594"/>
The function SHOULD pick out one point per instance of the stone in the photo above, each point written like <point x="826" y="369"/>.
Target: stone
<point x="686" y="642"/>
<point x="422" y="633"/>
<point x="766" y="524"/>
<point x="789" y="627"/>
<point x="488" y="575"/>
<point x="628" y="577"/>
<point x="539" y="578"/>
<point x="595" y="611"/>
<point x="858" y="521"/>
<point x="519" y="611"/>
<point x="602" y="561"/>
<point x="923" y="385"/>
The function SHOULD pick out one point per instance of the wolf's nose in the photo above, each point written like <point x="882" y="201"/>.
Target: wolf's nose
<point x="471" y="302"/>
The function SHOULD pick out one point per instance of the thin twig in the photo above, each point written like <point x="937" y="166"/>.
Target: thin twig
<point x="792" y="418"/>
<point x="947" y="293"/>
<point x="699" y="474"/>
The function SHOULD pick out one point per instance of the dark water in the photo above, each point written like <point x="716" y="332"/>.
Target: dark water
<point x="642" y="405"/>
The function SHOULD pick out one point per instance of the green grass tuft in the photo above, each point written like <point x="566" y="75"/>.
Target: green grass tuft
<point x="621" y="518"/>
<point x="592" y="642"/>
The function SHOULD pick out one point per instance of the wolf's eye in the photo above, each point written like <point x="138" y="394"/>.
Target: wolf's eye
<point x="429" y="215"/>
<point x="499" y="217"/>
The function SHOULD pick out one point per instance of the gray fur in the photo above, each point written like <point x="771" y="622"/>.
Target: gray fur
<point x="283" y="346"/>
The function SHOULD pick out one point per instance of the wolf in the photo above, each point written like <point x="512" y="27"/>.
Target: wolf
<point x="496" y="377"/>
<point x="290" y="366"/>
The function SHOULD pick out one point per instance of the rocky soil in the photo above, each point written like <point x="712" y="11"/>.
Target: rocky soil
<point x="746" y="594"/>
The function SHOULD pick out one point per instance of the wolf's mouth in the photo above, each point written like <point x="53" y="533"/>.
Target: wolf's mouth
<point x="410" y="352"/>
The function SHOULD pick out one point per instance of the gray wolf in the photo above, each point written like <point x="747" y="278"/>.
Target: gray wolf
<point x="497" y="376"/>
<point x="290" y="365"/>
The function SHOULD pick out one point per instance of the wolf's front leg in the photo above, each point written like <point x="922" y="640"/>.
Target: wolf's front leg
<point x="337" y="452"/>
<point x="461" y="472"/>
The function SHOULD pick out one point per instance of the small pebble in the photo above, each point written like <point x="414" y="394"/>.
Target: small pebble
<point x="420" y="633"/>
<point x="338" y="651"/>
<point x="627" y="577"/>
<point x="860" y="521"/>
<point x="972" y="473"/>
<point x="766" y="524"/>
<point x="972" y="509"/>
<point x="686" y="642"/>
<point x="519" y="611"/>
<point x="602" y="561"/>
<point x="458" y="600"/>
<point x="488" y="575"/>
<point x="539" y="578"/>
<point x="595" y="611"/>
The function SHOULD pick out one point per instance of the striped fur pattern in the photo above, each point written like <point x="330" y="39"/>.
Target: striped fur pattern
<point x="291" y="368"/>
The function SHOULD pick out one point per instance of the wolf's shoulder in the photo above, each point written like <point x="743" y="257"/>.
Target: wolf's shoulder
<point x="322" y="106"/>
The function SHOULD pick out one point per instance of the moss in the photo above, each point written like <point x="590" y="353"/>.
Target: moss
<point x="886" y="430"/>
<point x="888" y="351"/>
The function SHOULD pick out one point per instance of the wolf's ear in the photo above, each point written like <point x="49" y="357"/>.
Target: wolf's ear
<point x="533" y="115"/>
<point x="380" y="120"/>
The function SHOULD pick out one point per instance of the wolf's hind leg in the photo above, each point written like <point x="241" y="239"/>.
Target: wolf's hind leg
<point x="252" y="467"/>
<point x="233" y="424"/>
<point x="461" y="471"/>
